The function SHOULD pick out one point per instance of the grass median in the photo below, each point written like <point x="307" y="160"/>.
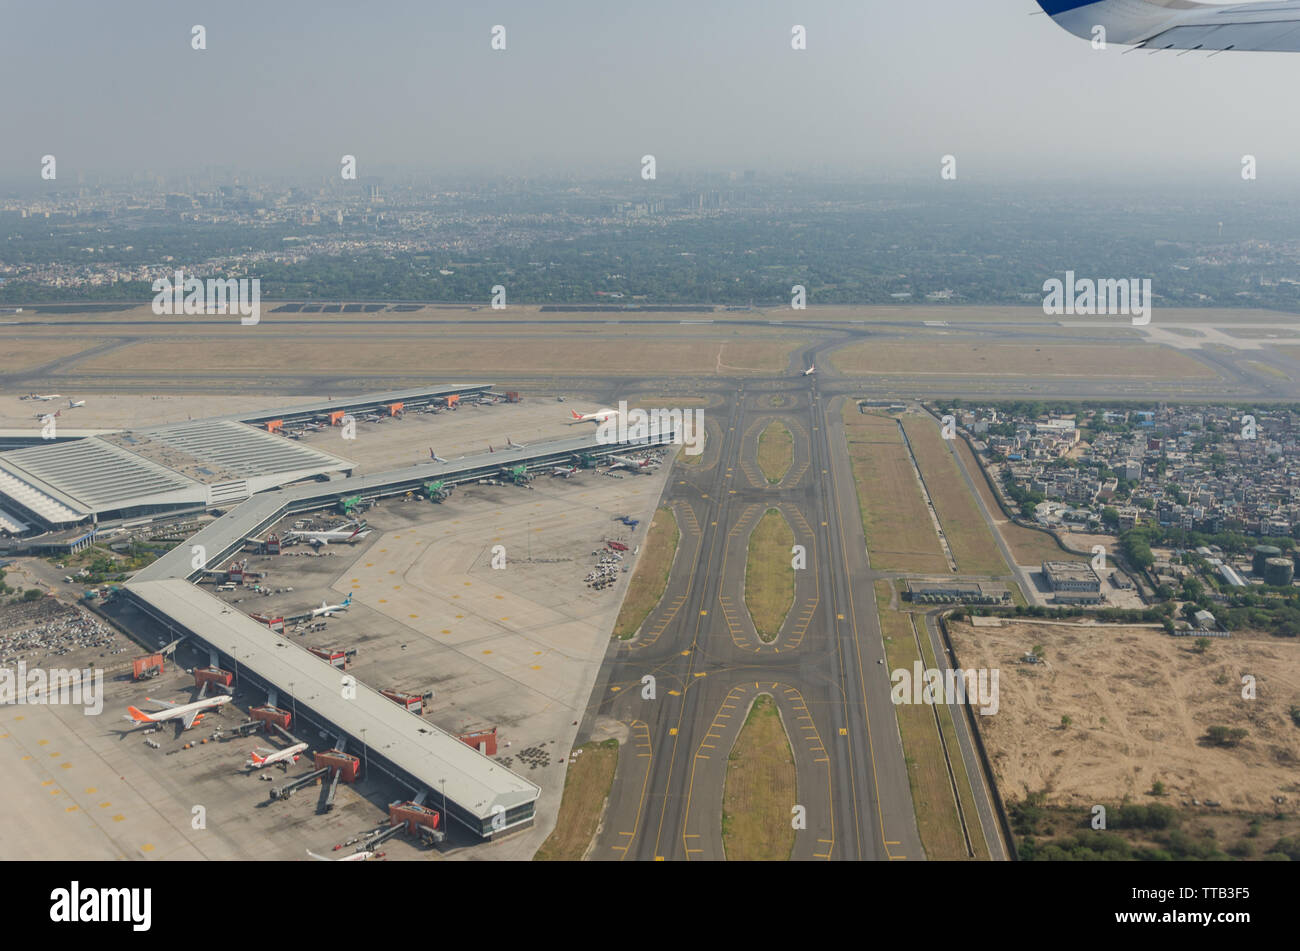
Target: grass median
<point x="760" y="789"/>
<point x="650" y="579"/>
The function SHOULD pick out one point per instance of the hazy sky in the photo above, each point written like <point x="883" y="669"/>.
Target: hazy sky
<point x="885" y="88"/>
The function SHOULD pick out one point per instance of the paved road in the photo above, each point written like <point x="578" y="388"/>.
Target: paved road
<point x="708" y="663"/>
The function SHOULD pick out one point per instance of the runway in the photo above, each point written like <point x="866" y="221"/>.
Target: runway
<point x="708" y="665"/>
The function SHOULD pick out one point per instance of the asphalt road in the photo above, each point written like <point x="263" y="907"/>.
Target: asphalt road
<point x="708" y="665"/>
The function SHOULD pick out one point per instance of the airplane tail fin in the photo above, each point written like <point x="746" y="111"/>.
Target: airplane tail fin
<point x="255" y="758"/>
<point x="574" y="413"/>
<point x="347" y="600"/>
<point x="139" y="715"/>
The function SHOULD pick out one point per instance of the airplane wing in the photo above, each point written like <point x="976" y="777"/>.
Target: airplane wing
<point x="1183" y="24"/>
<point x="162" y="703"/>
<point x="187" y="720"/>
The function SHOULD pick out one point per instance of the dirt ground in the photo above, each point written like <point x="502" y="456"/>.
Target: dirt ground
<point x="1140" y="703"/>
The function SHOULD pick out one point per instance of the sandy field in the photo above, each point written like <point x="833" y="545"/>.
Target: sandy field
<point x="1140" y="703"/>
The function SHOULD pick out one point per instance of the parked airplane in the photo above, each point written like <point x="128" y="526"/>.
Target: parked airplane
<point x="565" y="472"/>
<point x="46" y="417"/>
<point x="1182" y="24"/>
<point x="73" y="404"/>
<point x="329" y="610"/>
<point x="187" y="713"/>
<point x="810" y="371"/>
<point x="434" y="456"/>
<point x="627" y="462"/>
<point x="600" y="416"/>
<point x="511" y="444"/>
<point x="46" y="398"/>
<point x="325" y="537"/>
<point x="354" y="857"/>
<point x="256" y="759"/>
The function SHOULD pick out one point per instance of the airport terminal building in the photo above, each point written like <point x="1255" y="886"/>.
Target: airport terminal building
<point x="179" y="468"/>
<point x="254" y="478"/>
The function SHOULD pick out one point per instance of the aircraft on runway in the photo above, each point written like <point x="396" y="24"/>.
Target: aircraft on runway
<point x="1182" y="24"/>
<point x="284" y="757"/>
<point x="810" y="371"/>
<point x="325" y="537"/>
<point x="73" y="404"/>
<point x="44" y="399"/>
<point x="600" y="416"/>
<point x="46" y="417"/>
<point x="434" y="456"/>
<point x="511" y="444"/>
<point x="187" y="713"/>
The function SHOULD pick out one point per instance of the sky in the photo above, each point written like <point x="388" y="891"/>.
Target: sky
<point x="883" y="91"/>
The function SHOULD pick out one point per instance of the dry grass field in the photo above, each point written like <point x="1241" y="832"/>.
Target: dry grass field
<point x="1125" y="360"/>
<point x="651" y="576"/>
<point x="26" y="352"/>
<point x="1028" y="546"/>
<point x="769" y="579"/>
<point x="1139" y="705"/>
<point x="586" y="787"/>
<point x="381" y="355"/>
<point x="932" y="798"/>
<point x="760" y="789"/>
<point x="900" y="534"/>
<point x="973" y="546"/>
<point x="775" y="451"/>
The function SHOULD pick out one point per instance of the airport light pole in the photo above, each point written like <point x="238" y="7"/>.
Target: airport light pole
<point x="443" y="784"/>
<point x="235" y="660"/>
<point x="365" y="758"/>
<point x="293" y="703"/>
